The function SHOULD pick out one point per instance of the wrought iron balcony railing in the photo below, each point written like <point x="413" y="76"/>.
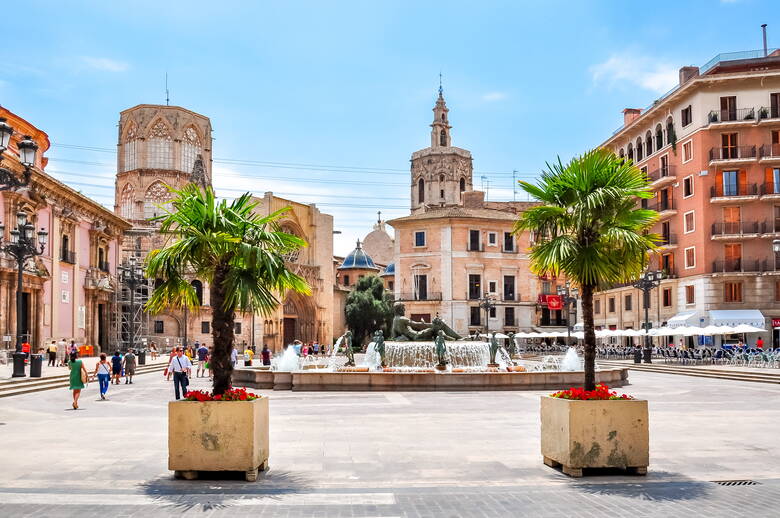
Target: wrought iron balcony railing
<point x="732" y="153"/>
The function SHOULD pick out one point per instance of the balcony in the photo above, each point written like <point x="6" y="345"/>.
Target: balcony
<point x="769" y="153"/>
<point x="406" y="297"/>
<point x="732" y="154"/>
<point x="736" y="266"/>
<point x="734" y="193"/>
<point x="669" y="273"/>
<point x="668" y="241"/>
<point x="475" y="248"/>
<point x="662" y="176"/>
<point x="67" y="256"/>
<point x="732" y="117"/>
<point x="771" y="264"/>
<point x="665" y="208"/>
<point x="739" y="229"/>
<point x="768" y="115"/>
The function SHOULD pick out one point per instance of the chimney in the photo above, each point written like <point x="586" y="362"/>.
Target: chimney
<point x="474" y="199"/>
<point x="630" y="115"/>
<point x="763" y="31"/>
<point x="688" y="73"/>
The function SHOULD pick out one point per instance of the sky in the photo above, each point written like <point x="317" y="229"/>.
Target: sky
<point x="324" y="102"/>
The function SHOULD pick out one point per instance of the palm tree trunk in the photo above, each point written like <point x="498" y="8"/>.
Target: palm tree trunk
<point x="590" y="337"/>
<point x="222" y="325"/>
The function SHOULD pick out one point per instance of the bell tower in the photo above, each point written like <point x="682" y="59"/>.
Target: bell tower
<point x="441" y="173"/>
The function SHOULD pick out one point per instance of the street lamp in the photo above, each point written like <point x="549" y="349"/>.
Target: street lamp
<point x="27" y="151"/>
<point x="569" y="299"/>
<point x="646" y="283"/>
<point x="132" y="276"/>
<point x="487" y="303"/>
<point x="24" y="245"/>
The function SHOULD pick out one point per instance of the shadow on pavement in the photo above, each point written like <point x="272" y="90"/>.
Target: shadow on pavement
<point x="679" y="488"/>
<point x="222" y="489"/>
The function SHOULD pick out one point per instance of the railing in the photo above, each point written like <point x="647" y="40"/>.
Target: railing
<point x="734" y="190"/>
<point x="661" y="172"/>
<point x="668" y="239"/>
<point x="732" y="152"/>
<point x="669" y="273"/>
<point x="737" y="228"/>
<point x="552" y="322"/>
<point x="508" y="251"/>
<point x="662" y="205"/>
<point x="103" y="266"/>
<point x="742" y="114"/>
<point x="476" y="295"/>
<point x="768" y="112"/>
<point x="509" y="297"/>
<point x="770" y="264"/>
<point x="420" y="296"/>
<point x="769" y="188"/>
<point x="478" y="248"/>
<point x="734" y="56"/>
<point x="736" y="265"/>
<point x="769" y="151"/>
<point x="66" y="256"/>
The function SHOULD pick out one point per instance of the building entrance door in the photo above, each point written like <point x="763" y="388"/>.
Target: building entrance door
<point x="101" y="327"/>
<point x="289" y="330"/>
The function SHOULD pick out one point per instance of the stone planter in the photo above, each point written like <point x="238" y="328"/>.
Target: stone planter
<point x="218" y="436"/>
<point x="595" y="434"/>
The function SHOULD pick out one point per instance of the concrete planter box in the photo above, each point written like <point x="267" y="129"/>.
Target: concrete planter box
<point x="595" y="434"/>
<point x="218" y="436"/>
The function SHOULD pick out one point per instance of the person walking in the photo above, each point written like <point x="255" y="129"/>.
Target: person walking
<point x="116" y="366"/>
<point x="266" y="354"/>
<point x="62" y="353"/>
<point x="181" y="367"/>
<point x="153" y="350"/>
<point x="203" y="358"/>
<point x="78" y="377"/>
<point x="170" y="358"/>
<point x="129" y="363"/>
<point x="248" y="357"/>
<point x="103" y="373"/>
<point x="234" y="356"/>
<point x="760" y="343"/>
<point x="52" y="354"/>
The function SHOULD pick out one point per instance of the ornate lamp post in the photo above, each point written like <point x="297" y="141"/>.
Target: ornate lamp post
<point x="487" y="303"/>
<point x="569" y="300"/>
<point x="132" y="276"/>
<point x="27" y="150"/>
<point x="646" y="283"/>
<point x="24" y="245"/>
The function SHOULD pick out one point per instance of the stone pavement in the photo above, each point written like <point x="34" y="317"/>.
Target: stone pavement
<point x="394" y="454"/>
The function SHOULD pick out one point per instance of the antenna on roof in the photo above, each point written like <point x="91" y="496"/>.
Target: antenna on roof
<point x="167" y="96"/>
<point x="763" y="30"/>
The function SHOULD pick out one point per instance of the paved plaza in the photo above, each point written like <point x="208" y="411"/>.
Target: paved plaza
<point x="391" y="454"/>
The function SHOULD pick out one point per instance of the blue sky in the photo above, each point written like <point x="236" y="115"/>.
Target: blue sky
<point x="349" y="86"/>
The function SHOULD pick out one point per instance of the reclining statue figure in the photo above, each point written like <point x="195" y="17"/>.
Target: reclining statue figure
<point x="404" y="329"/>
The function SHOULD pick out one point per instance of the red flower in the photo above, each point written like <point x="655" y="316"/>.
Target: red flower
<point x="601" y="393"/>
<point x="231" y="394"/>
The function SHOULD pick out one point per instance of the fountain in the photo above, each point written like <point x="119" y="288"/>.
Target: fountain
<point x="571" y="362"/>
<point x="289" y="361"/>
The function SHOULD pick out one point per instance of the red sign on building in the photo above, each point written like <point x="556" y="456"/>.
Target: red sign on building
<point x="776" y="322"/>
<point x="554" y="302"/>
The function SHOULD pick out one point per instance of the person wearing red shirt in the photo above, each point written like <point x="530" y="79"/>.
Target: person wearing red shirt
<point x="760" y="343"/>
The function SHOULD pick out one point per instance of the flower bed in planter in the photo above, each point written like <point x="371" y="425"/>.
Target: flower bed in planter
<point x="596" y="429"/>
<point x="222" y="433"/>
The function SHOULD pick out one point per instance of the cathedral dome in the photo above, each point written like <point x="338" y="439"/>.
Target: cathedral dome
<point x="358" y="259"/>
<point x="389" y="270"/>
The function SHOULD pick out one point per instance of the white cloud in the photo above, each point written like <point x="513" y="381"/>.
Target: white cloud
<point x="105" y="64"/>
<point x="637" y="70"/>
<point x="494" y="96"/>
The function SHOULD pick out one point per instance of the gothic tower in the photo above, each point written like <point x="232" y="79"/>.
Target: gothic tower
<point x="441" y="172"/>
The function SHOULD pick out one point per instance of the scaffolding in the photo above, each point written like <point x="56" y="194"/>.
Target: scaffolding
<point x="130" y="322"/>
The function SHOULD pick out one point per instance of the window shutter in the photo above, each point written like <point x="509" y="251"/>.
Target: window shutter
<point x="743" y="182"/>
<point x="719" y="183"/>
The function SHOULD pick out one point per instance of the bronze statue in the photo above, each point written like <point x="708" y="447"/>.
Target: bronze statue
<point x="348" y="349"/>
<point x="441" y="351"/>
<point x="404" y="328"/>
<point x="493" y="350"/>
<point x="379" y="346"/>
<point x="512" y="345"/>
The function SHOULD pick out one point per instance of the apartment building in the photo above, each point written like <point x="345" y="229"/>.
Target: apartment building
<point x="711" y="148"/>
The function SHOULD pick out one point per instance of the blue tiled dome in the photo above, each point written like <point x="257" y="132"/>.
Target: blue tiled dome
<point x="357" y="258"/>
<point x="389" y="270"/>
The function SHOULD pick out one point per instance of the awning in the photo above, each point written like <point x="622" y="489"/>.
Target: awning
<point x="685" y="318"/>
<point x="735" y="317"/>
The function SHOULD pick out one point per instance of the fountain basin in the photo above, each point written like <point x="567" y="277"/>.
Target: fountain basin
<point x="422" y="355"/>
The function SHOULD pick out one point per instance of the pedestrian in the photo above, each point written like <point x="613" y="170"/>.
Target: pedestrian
<point x="153" y="350"/>
<point x="305" y="350"/>
<point x="26" y="349"/>
<point x="73" y="349"/>
<point x="234" y="356"/>
<point x="78" y="377"/>
<point x="116" y="366"/>
<point x="203" y="358"/>
<point x="52" y="354"/>
<point x="760" y="343"/>
<point x="297" y="344"/>
<point x="266" y="354"/>
<point x="208" y="363"/>
<point x="316" y="348"/>
<point x="62" y="353"/>
<point x="181" y="367"/>
<point x="248" y="357"/>
<point x="170" y="358"/>
<point x="129" y="363"/>
<point x="103" y="373"/>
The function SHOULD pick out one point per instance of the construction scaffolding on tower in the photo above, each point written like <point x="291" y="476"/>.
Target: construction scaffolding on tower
<point x="130" y="322"/>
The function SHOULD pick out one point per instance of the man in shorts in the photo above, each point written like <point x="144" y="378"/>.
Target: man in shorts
<point x="203" y="357"/>
<point x="129" y="363"/>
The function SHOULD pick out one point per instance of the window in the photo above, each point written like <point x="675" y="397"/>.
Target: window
<point x="443" y="138"/>
<point x="687" y="115"/>
<point x="774" y="108"/>
<point x="730" y="183"/>
<point x="159" y="147"/>
<point x="198" y="286"/>
<point x="690" y="294"/>
<point x="474" y="316"/>
<point x="639" y="153"/>
<point x="732" y="217"/>
<point x="728" y="108"/>
<point x="419" y="238"/>
<point x="777" y="291"/>
<point x="546" y="288"/>
<point x="687" y="186"/>
<point x="687" y="151"/>
<point x="775" y="180"/>
<point x="688" y="222"/>
<point x="475" y="282"/>
<point x="648" y="143"/>
<point x="664" y="163"/>
<point x="509" y="287"/>
<point x="157" y="200"/>
<point x="492" y="238"/>
<point x="667" y="264"/>
<point x="420" y="287"/>
<point x="190" y="149"/>
<point x="690" y="257"/>
<point x="474" y="240"/>
<point x="667" y="297"/>
<point x="441" y="193"/>
<point x="493" y="312"/>
<point x="126" y="202"/>
<point x="611" y="304"/>
<point x="492" y="286"/>
<point x="732" y="292"/>
<point x="390" y="285"/>
<point x="627" y="302"/>
<point x="659" y="137"/>
<point x="729" y="147"/>
<point x="159" y="327"/>
<point x="130" y="147"/>
<point x="420" y="190"/>
<point x="346" y="280"/>
<point x="462" y="184"/>
<point x="733" y="257"/>
<point x="509" y="242"/>
<point x="509" y="316"/>
<point x="237" y="328"/>
<point x="777" y="218"/>
<point x="597" y="307"/>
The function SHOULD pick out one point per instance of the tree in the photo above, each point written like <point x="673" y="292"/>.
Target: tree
<point x="237" y="251"/>
<point x="368" y="308"/>
<point x="589" y="228"/>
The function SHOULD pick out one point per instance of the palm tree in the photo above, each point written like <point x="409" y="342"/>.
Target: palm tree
<point x="589" y="229"/>
<point x="237" y="251"/>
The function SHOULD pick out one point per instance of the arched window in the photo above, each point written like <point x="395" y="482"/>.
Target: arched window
<point x="198" y="290"/>
<point x="659" y="137"/>
<point x="622" y="153"/>
<point x="102" y="258"/>
<point x="462" y="185"/>
<point x="630" y="152"/>
<point x="130" y="147"/>
<point x="639" y="154"/>
<point x="648" y="143"/>
<point x="138" y="243"/>
<point x="442" y="118"/>
<point x="126" y="202"/>
<point x="670" y="135"/>
<point x="159" y="147"/>
<point x="190" y="148"/>
<point x="420" y="191"/>
<point x="156" y="200"/>
<point x="443" y="138"/>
